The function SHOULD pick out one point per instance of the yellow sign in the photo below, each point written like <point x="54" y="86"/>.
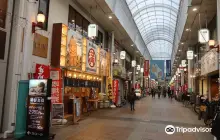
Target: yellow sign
<point x="40" y="45"/>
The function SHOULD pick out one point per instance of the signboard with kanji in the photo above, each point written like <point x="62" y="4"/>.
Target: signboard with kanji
<point x="56" y="94"/>
<point x="38" y="108"/>
<point x="115" y="91"/>
<point x="41" y="71"/>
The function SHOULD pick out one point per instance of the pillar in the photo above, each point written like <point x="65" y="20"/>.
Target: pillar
<point x="218" y="33"/>
<point x="112" y="46"/>
<point x="134" y="72"/>
<point x="190" y="75"/>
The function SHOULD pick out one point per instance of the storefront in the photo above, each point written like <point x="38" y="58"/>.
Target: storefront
<point x="82" y="63"/>
<point x="209" y="69"/>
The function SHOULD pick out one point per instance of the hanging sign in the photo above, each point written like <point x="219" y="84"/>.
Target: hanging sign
<point x="41" y="72"/>
<point x="168" y="68"/>
<point x="38" y="108"/>
<point x="91" y="57"/>
<point x="115" y="91"/>
<point x="133" y="63"/>
<point x="189" y="55"/>
<point x="56" y="94"/>
<point x="183" y="63"/>
<point x="92" y="30"/>
<point x="122" y="55"/>
<point x="146" y="68"/>
<point x="142" y="70"/>
<point x="138" y="67"/>
<point x="203" y="36"/>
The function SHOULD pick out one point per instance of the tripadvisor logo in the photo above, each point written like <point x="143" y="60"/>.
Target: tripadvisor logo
<point x="170" y="129"/>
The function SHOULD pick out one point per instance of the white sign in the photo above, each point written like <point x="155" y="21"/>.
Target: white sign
<point x="183" y="63"/>
<point x="133" y="63"/>
<point x="203" y="36"/>
<point x="122" y="55"/>
<point x="189" y="55"/>
<point x="138" y="67"/>
<point x="92" y="30"/>
<point x="209" y="62"/>
<point x="142" y="70"/>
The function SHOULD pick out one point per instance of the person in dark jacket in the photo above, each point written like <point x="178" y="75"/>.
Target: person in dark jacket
<point x="132" y="98"/>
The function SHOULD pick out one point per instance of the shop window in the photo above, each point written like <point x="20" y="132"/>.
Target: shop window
<point x="3" y="12"/>
<point x="2" y="42"/>
<point x="99" y="39"/>
<point x="72" y="17"/>
<point x="79" y="21"/>
<point x="85" y="25"/>
<point x="44" y="7"/>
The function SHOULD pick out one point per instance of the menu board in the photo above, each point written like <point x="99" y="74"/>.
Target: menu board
<point x="38" y="110"/>
<point x="77" y="101"/>
<point x="57" y="111"/>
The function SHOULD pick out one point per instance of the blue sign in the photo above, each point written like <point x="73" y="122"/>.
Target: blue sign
<point x="157" y="69"/>
<point x="168" y="68"/>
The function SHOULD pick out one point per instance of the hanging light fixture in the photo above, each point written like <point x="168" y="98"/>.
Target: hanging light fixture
<point x="40" y="21"/>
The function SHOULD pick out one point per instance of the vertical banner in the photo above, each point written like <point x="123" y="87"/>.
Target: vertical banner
<point x="146" y="68"/>
<point x="38" y="108"/>
<point x="115" y="91"/>
<point x="157" y="69"/>
<point x="56" y="93"/>
<point x="168" y="68"/>
<point x="103" y="65"/>
<point x="91" y="57"/>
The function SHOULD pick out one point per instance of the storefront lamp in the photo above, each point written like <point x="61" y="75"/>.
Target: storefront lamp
<point x="116" y="60"/>
<point x="40" y="21"/>
<point x="211" y="43"/>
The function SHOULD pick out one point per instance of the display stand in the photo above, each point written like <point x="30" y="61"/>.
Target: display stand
<point x="76" y="110"/>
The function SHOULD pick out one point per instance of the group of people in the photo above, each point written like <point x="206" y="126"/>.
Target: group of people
<point x="161" y="91"/>
<point x="153" y="91"/>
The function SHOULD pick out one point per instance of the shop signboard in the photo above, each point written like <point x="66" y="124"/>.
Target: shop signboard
<point x="115" y="90"/>
<point x="74" y="50"/>
<point x="92" y="30"/>
<point x="146" y="68"/>
<point x="91" y="57"/>
<point x="57" y="112"/>
<point x="203" y="36"/>
<point x="103" y="62"/>
<point x="157" y="69"/>
<point x="189" y="55"/>
<point x="38" y="107"/>
<point x="168" y="68"/>
<point x="42" y="72"/>
<point x="56" y="94"/>
<point x="209" y="62"/>
<point x="40" y="46"/>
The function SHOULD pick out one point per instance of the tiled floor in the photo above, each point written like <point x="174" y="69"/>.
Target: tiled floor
<point x="147" y="122"/>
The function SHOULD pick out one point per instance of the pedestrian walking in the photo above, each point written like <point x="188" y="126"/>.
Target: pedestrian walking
<point x="132" y="98"/>
<point x="153" y="92"/>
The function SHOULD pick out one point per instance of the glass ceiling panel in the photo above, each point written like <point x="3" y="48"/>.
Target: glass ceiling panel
<point x="156" y="22"/>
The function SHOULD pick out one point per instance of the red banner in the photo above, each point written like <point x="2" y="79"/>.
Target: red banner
<point x="56" y="94"/>
<point x="42" y="72"/>
<point x="146" y="68"/>
<point x="115" y="91"/>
